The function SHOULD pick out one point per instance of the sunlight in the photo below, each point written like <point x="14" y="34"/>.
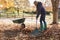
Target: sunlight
<point x="1" y="5"/>
<point x="31" y="1"/>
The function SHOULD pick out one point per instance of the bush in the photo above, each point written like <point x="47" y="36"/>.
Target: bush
<point x="29" y="12"/>
<point x="47" y="12"/>
<point x="34" y="12"/>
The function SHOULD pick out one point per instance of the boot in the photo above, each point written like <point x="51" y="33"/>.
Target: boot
<point x="41" y="28"/>
<point x="45" y="26"/>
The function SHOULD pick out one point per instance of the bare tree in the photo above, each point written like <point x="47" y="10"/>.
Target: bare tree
<point x="55" y="4"/>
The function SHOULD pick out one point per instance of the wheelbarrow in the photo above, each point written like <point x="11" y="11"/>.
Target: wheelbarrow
<point x="20" y="21"/>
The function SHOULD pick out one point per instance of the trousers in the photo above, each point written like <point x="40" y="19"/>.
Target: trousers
<point x="43" y="25"/>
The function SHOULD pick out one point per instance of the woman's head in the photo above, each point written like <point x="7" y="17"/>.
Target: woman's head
<point x="35" y="3"/>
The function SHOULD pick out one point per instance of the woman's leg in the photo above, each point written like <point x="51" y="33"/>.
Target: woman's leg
<point x="45" y="25"/>
<point x="41" y="25"/>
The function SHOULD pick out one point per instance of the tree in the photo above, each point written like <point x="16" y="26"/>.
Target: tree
<point x="55" y="4"/>
<point x="21" y="4"/>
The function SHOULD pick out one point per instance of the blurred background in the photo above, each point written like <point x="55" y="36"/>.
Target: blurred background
<point x="23" y="8"/>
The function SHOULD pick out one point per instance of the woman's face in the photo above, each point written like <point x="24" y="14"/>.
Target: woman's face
<point x="35" y="3"/>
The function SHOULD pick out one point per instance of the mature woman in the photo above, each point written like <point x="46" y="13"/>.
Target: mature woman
<point x="40" y="11"/>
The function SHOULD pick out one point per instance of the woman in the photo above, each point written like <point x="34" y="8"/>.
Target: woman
<point x="40" y="11"/>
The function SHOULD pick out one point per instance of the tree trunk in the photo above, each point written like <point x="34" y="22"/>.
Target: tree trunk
<point x="55" y="17"/>
<point x="55" y="4"/>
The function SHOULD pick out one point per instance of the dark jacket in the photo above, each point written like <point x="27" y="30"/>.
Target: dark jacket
<point x="40" y="10"/>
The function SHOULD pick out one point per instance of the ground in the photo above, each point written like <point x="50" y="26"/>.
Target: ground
<point x="11" y="31"/>
<point x="53" y="33"/>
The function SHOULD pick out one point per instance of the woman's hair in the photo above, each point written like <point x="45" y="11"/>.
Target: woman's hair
<point x="35" y="1"/>
<point x="38" y="2"/>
